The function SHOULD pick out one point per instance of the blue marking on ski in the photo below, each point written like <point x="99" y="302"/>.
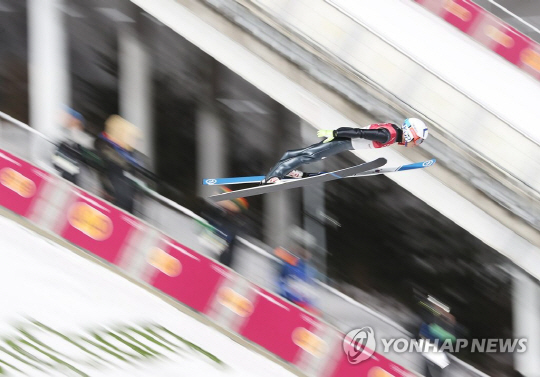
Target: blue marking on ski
<point x="418" y="165"/>
<point x="233" y="181"/>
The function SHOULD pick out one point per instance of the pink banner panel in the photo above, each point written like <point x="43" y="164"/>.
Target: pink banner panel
<point x="501" y="38"/>
<point x="185" y="275"/>
<point x="97" y="226"/>
<point x="511" y="51"/>
<point x="375" y="366"/>
<point x="20" y="183"/>
<point x="490" y="31"/>
<point x="530" y="60"/>
<point x="461" y="13"/>
<point x="280" y="327"/>
<point x="435" y="6"/>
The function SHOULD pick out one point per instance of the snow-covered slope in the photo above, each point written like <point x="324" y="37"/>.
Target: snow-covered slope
<point x="62" y="314"/>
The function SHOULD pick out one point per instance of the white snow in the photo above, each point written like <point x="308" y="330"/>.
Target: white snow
<point x="45" y="282"/>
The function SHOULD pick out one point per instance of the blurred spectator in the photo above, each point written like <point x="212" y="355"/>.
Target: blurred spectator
<point x="438" y="326"/>
<point x="297" y="277"/>
<point x="226" y="219"/>
<point x="75" y="147"/>
<point x="116" y="147"/>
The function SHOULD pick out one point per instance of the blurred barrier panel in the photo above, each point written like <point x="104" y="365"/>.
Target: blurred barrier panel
<point x="184" y="274"/>
<point x="294" y="333"/>
<point x="462" y="14"/>
<point x="502" y="39"/>
<point x="489" y="30"/>
<point x="20" y="183"/>
<point x="376" y="366"/>
<point x="97" y="226"/>
<point x="140" y="250"/>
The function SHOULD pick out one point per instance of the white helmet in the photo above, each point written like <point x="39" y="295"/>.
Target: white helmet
<point x="415" y="132"/>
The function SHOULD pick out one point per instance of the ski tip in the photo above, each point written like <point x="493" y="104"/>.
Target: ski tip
<point x="418" y="165"/>
<point x="429" y="163"/>
<point x="209" y="181"/>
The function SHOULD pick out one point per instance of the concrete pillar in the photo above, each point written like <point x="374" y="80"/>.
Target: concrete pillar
<point x="281" y="209"/>
<point x="135" y="84"/>
<point x="314" y="204"/>
<point x="526" y="314"/>
<point x="48" y="70"/>
<point x="314" y="207"/>
<point x="211" y="147"/>
<point x="280" y="212"/>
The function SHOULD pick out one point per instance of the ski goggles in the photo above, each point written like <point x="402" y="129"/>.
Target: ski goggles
<point x="410" y="137"/>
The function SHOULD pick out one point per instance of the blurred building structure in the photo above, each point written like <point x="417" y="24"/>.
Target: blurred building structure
<point x="234" y="100"/>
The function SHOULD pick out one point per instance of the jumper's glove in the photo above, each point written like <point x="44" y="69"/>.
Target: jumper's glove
<point x="328" y="134"/>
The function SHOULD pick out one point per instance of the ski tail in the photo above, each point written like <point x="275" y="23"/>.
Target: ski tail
<point x="245" y="180"/>
<point x="418" y="165"/>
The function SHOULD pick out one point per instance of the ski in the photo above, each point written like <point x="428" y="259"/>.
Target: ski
<point x="416" y="165"/>
<point x="300" y="182"/>
<point x="233" y="181"/>
<point x="260" y="178"/>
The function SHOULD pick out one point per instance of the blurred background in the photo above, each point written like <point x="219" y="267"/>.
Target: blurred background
<point x="221" y="88"/>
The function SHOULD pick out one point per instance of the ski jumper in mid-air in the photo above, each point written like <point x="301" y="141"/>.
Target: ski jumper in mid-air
<point x="412" y="133"/>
